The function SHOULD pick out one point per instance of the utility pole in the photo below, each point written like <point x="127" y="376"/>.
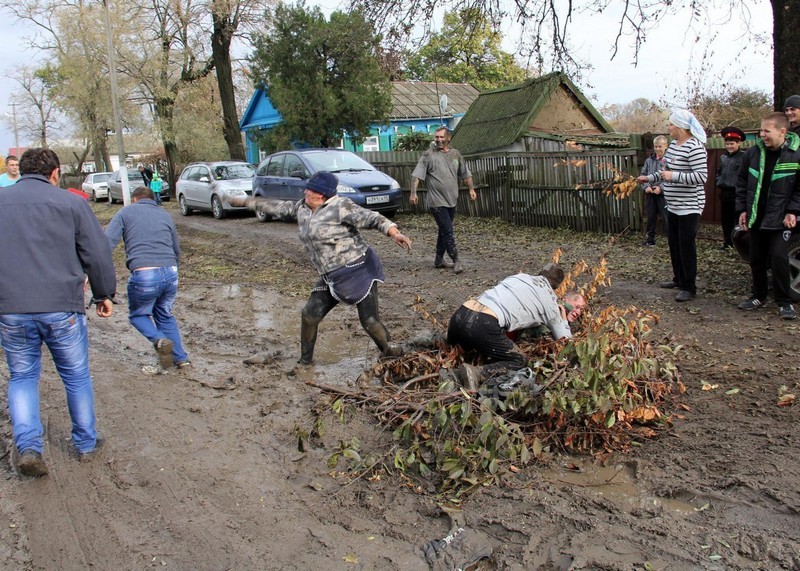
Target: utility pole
<point x="112" y="73"/>
<point x="14" y="120"/>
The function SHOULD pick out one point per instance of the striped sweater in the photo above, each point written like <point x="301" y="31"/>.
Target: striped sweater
<point x="688" y="162"/>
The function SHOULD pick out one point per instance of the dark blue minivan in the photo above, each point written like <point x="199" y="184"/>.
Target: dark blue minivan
<point x="283" y="176"/>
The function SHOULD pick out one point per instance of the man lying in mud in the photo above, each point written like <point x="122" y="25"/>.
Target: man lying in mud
<point x="518" y="302"/>
<point x="349" y="268"/>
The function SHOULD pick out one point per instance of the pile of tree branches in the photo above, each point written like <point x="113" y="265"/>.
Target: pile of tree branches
<point x="595" y="393"/>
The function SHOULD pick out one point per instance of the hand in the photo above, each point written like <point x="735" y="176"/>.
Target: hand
<point x="666" y="175"/>
<point x="743" y="221"/>
<point x="656" y="190"/>
<point x="648" y="190"/>
<point x="642" y="178"/>
<point x="86" y="284"/>
<point x="790" y="220"/>
<point x="104" y="308"/>
<point x="472" y="194"/>
<point x="413" y="198"/>
<point x="402" y="240"/>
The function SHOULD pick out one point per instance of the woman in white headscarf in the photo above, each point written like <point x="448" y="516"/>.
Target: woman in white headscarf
<point x="682" y="182"/>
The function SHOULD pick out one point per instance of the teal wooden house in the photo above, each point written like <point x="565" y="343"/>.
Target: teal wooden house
<point x="416" y="106"/>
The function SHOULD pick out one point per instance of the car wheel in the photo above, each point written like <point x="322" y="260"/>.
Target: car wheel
<point x="185" y="210"/>
<point x="217" y="209"/>
<point x="794" y="264"/>
<point x="262" y="217"/>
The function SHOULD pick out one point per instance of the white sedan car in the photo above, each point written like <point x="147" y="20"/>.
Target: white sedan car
<point x="96" y="185"/>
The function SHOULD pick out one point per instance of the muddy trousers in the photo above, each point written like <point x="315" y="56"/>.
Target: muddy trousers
<point x="482" y="333"/>
<point x="321" y="302"/>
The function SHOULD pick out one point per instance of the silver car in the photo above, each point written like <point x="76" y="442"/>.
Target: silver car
<point x="205" y="186"/>
<point x="96" y="185"/>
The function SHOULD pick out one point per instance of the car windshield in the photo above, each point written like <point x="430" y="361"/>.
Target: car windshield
<point x="102" y="177"/>
<point x="135" y="175"/>
<point x="336" y="161"/>
<point x="232" y="172"/>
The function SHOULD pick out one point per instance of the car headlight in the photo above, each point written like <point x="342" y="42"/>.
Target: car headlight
<point x="395" y="185"/>
<point x="344" y="189"/>
<point x="235" y="192"/>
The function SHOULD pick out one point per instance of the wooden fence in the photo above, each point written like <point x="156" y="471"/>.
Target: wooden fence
<point x="557" y="189"/>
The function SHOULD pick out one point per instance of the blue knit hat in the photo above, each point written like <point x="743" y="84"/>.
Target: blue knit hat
<point x="324" y="183"/>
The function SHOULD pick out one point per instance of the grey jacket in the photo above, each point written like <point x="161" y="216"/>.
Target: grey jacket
<point x="331" y="233"/>
<point x="50" y="239"/>
<point x="148" y="231"/>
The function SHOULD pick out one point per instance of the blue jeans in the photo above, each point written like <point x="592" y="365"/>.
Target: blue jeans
<point x="151" y="295"/>
<point x="64" y="333"/>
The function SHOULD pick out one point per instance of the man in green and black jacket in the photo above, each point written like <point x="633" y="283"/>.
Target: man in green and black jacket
<point x="768" y="202"/>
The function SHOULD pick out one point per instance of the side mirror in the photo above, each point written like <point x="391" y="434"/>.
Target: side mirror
<point x="298" y="174"/>
<point x="204" y="178"/>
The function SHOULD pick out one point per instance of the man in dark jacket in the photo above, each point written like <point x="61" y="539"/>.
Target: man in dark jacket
<point x="792" y="110"/>
<point x="53" y="240"/>
<point x="768" y="201"/>
<point x="727" y="173"/>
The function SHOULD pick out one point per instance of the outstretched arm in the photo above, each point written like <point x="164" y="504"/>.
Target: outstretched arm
<point x="400" y="239"/>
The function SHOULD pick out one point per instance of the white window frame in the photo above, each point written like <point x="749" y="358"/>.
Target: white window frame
<point x="372" y="144"/>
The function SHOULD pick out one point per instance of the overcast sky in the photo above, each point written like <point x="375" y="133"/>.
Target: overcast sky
<point x="666" y="61"/>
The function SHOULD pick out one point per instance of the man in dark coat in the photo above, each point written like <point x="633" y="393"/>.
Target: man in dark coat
<point x="727" y="173"/>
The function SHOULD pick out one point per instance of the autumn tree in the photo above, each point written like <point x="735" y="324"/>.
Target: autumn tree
<point x="735" y="106"/>
<point x="322" y="75"/>
<point x="37" y="111"/>
<point x="546" y="26"/>
<point x="467" y="50"/>
<point x="638" y="116"/>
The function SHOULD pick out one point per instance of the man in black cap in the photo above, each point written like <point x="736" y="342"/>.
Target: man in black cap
<point x="727" y="173"/>
<point x="792" y="110"/>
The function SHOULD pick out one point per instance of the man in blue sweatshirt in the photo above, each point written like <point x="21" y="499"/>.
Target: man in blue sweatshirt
<point x="53" y="241"/>
<point x="152" y="252"/>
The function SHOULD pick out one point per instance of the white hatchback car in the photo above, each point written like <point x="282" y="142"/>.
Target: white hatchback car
<point x="96" y="185"/>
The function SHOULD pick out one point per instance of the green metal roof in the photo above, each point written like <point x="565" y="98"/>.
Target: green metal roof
<point x="500" y="117"/>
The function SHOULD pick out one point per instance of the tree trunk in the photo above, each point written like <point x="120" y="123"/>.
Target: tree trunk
<point x="221" y="54"/>
<point x="786" y="49"/>
<point x="165" y="110"/>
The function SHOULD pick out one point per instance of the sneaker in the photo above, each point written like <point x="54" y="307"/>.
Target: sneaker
<point x="99" y="443"/>
<point x="648" y="243"/>
<point x="31" y="464"/>
<point x="752" y="303"/>
<point x="787" y="311"/>
<point x="183" y="364"/>
<point x="458" y="267"/>
<point x="441" y="264"/>
<point x="668" y="285"/>
<point x="684" y="295"/>
<point x="164" y="349"/>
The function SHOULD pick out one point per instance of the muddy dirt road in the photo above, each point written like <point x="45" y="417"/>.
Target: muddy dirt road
<point x="202" y="471"/>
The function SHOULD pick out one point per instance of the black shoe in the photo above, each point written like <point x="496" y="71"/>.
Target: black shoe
<point x="648" y="243"/>
<point x="787" y="311"/>
<point x="164" y="349"/>
<point x="752" y="303"/>
<point x="99" y="443"/>
<point x="441" y="264"/>
<point x="458" y="267"/>
<point x="31" y="464"/>
<point x="684" y="295"/>
<point x="668" y="285"/>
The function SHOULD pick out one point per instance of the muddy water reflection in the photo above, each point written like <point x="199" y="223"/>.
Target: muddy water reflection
<point x="618" y="483"/>
<point x="343" y="350"/>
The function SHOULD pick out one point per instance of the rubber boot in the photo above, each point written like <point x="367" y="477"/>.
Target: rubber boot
<point x="308" y="339"/>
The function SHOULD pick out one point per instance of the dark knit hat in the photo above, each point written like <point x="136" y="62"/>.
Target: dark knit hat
<point x="733" y="134"/>
<point x="792" y="101"/>
<point x="324" y="183"/>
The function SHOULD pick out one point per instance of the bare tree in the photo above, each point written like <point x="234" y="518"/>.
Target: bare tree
<point x="37" y="109"/>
